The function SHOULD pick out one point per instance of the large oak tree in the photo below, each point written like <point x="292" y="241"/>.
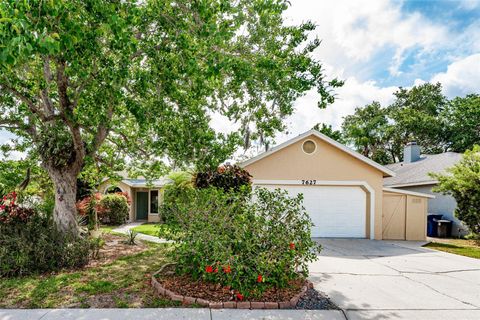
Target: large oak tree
<point x="145" y="76"/>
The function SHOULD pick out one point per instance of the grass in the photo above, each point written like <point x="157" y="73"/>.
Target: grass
<point x="124" y="283"/>
<point x="156" y="229"/>
<point x="463" y="247"/>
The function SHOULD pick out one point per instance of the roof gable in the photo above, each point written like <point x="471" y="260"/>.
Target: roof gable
<point x="387" y="172"/>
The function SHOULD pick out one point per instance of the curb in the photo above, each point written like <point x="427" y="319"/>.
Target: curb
<point x="187" y="300"/>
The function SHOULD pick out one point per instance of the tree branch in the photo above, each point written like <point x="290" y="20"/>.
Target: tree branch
<point x="66" y="113"/>
<point x="101" y="133"/>
<point x="47" y="76"/>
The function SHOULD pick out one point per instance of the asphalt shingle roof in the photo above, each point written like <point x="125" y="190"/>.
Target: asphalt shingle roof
<point x="417" y="172"/>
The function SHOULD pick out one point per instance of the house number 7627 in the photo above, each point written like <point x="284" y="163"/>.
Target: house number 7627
<point x="309" y="182"/>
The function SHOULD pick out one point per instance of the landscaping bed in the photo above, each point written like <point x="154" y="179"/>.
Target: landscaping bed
<point x="119" y="279"/>
<point x="299" y="294"/>
<point x="115" y="247"/>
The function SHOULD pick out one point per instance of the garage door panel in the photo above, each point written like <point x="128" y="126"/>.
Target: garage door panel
<point x="335" y="211"/>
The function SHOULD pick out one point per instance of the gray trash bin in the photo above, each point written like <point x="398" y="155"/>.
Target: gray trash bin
<point x="444" y="228"/>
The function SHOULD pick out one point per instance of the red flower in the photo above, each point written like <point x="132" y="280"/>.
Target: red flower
<point x="292" y="246"/>
<point x="227" y="269"/>
<point x="209" y="269"/>
<point x="240" y="296"/>
<point x="259" y="278"/>
<point x="216" y="270"/>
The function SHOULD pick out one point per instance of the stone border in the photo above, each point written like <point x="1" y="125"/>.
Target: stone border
<point x="186" y="300"/>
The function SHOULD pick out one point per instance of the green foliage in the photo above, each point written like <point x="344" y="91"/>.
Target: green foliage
<point x="14" y="172"/>
<point x="367" y="129"/>
<point x="415" y="113"/>
<point x="422" y="114"/>
<point x="462" y="117"/>
<point x="227" y="177"/>
<point x="248" y="245"/>
<point x="112" y="79"/>
<point x="180" y="180"/>
<point x="56" y="146"/>
<point x="180" y="183"/>
<point x="329" y="132"/>
<point x="115" y="209"/>
<point x="131" y="237"/>
<point x="35" y="245"/>
<point x="462" y="181"/>
<point x="96" y="243"/>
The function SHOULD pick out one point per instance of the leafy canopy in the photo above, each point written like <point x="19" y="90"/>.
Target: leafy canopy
<point x="84" y="81"/>
<point x="422" y="114"/>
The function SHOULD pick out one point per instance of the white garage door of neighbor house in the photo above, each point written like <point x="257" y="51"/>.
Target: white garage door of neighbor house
<point x="336" y="211"/>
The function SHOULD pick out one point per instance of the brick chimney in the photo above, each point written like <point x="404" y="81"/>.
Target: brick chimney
<point x="411" y="152"/>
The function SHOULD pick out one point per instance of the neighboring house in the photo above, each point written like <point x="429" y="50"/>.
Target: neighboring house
<point x="146" y="197"/>
<point x="412" y="175"/>
<point x="343" y="190"/>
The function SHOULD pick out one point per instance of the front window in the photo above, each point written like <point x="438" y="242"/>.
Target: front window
<point x="153" y="201"/>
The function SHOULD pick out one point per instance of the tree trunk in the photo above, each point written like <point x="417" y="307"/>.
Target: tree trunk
<point x="65" y="211"/>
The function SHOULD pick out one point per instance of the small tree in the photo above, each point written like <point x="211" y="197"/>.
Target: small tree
<point x="462" y="181"/>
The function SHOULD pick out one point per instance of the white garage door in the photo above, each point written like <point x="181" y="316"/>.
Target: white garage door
<point x="335" y="211"/>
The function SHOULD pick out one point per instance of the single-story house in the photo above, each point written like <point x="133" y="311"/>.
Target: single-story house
<point x="146" y="197"/>
<point x="343" y="191"/>
<point x="413" y="175"/>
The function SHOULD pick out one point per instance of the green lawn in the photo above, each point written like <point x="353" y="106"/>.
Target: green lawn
<point x="155" y="229"/>
<point x="122" y="283"/>
<point x="468" y="248"/>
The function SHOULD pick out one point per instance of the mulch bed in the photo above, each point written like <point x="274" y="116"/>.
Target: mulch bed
<point x="114" y="248"/>
<point x="184" y="285"/>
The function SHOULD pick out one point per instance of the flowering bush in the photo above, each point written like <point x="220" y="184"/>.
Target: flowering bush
<point x="10" y="212"/>
<point x="245" y="241"/>
<point x="109" y="209"/>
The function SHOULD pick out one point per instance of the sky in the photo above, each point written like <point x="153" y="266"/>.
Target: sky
<point x="377" y="46"/>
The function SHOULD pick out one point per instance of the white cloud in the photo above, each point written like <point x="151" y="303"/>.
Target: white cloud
<point x="461" y="78"/>
<point x="469" y="4"/>
<point x="354" y="31"/>
<point x="353" y="94"/>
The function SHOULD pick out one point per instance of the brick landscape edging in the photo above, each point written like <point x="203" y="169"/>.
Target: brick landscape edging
<point x="186" y="300"/>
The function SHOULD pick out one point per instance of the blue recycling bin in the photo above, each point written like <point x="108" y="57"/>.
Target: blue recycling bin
<point x="432" y="224"/>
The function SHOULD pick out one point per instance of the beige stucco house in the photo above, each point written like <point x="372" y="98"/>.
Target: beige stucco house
<point x="146" y="196"/>
<point x="343" y="190"/>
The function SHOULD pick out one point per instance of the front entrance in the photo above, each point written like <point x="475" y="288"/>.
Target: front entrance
<point x="142" y="205"/>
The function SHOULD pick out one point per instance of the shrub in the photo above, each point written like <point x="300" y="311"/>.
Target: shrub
<point x="248" y="245"/>
<point x="462" y="181"/>
<point x="109" y="209"/>
<point x="115" y="209"/>
<point x="226" y="177"/>
<point x="131" y="237"/>
<point x="31" y="243"/>
<point x="181" y="182"/>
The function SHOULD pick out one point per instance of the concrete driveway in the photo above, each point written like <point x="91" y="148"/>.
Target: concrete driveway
<point x="371" y="279"/>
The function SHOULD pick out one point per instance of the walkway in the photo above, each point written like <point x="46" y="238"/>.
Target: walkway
<point x="126" y="228"/>
<point x="168" y="314"/>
